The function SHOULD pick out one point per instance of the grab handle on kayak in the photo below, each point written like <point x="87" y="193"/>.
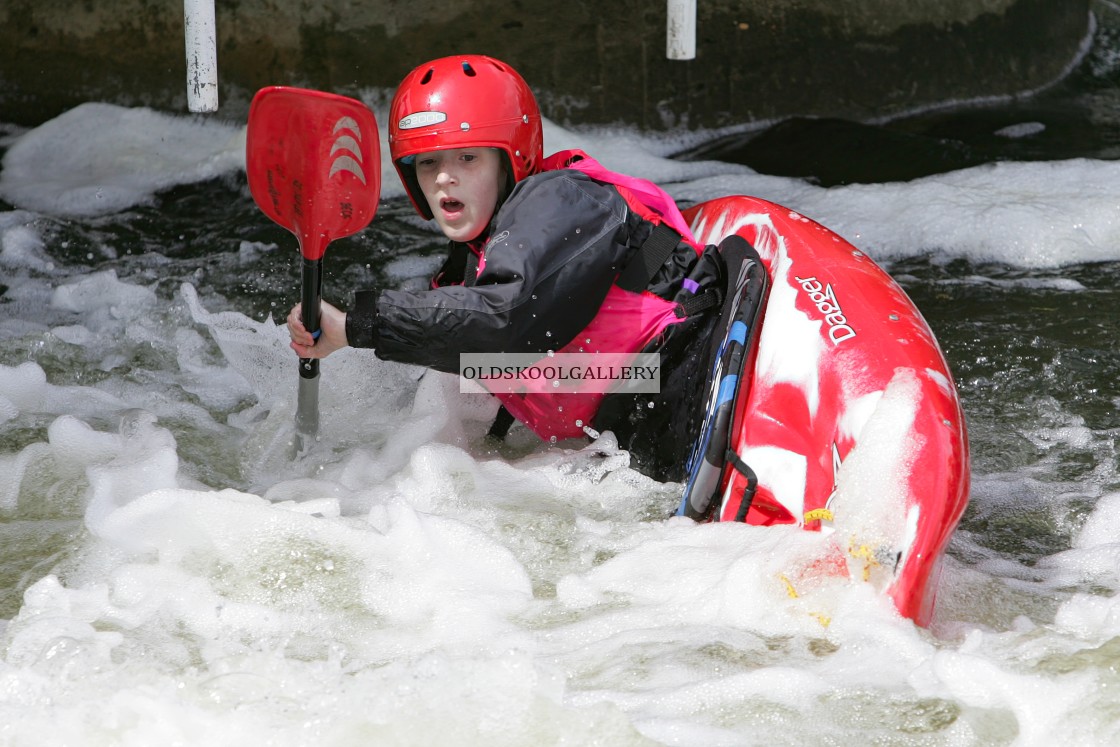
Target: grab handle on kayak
<point x="752" y="484"/>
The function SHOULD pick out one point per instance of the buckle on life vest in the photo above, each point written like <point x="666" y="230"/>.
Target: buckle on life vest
<point x="709" y="299"/>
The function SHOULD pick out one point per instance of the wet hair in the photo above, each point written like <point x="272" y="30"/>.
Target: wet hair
<point x="506" y="176"/>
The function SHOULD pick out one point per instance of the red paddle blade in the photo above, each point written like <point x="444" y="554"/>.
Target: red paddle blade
<point x="314" y="164"/>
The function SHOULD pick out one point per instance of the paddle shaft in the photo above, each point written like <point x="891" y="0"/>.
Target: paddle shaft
<point x="307" y="407"/>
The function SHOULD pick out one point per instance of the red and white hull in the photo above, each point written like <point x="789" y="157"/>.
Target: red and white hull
<point x="851" y="421"/>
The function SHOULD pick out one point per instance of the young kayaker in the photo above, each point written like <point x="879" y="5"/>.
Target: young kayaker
<point x="545" y="257"/>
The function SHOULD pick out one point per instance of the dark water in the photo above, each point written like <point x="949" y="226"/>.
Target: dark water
<point x="1030" y="362"/>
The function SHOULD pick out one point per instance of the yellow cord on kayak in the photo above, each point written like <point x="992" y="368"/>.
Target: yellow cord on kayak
<point x="867" y="555"/>
<point x="820" y="617"/>
<point x="822" y="514"/>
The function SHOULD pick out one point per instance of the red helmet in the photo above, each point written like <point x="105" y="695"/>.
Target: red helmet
<point x="462" y="102"/>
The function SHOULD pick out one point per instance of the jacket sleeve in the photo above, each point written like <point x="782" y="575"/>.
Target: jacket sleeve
<point x="556" y="246"/>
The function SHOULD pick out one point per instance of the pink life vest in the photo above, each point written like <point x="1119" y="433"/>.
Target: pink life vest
<point x="625" y="323"/>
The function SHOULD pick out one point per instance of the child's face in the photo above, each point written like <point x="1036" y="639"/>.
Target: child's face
<point x="461" y="186"/>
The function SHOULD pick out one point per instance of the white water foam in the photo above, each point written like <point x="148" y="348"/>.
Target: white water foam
<point x="410" y="584"/>
<point x="99" y="158"/>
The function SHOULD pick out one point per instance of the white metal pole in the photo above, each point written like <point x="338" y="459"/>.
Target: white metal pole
<point x="202" y="55"/>
<point x="680" y="30"/>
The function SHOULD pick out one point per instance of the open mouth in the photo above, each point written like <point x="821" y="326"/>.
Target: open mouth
<point x="449" y="205"/>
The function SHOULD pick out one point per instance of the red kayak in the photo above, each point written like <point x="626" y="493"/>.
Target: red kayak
<point x="831" y="364"/>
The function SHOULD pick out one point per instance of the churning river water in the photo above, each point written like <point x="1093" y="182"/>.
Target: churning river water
<point x="170" y="575"/>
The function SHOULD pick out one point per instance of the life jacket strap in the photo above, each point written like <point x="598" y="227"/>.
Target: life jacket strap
<point x="460" y="267"/>
<point x="693" y="305"/>
<point x="645" y="263"/>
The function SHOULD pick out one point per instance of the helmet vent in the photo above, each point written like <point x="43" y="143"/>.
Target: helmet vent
<point x="468" y="70"/>
<point x="427" y="77"/>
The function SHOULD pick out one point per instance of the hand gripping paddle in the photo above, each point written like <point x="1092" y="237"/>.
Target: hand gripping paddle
<point x="314" y="165"/>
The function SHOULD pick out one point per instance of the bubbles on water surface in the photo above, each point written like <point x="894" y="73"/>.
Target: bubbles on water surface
<point x="260" y="586"/>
